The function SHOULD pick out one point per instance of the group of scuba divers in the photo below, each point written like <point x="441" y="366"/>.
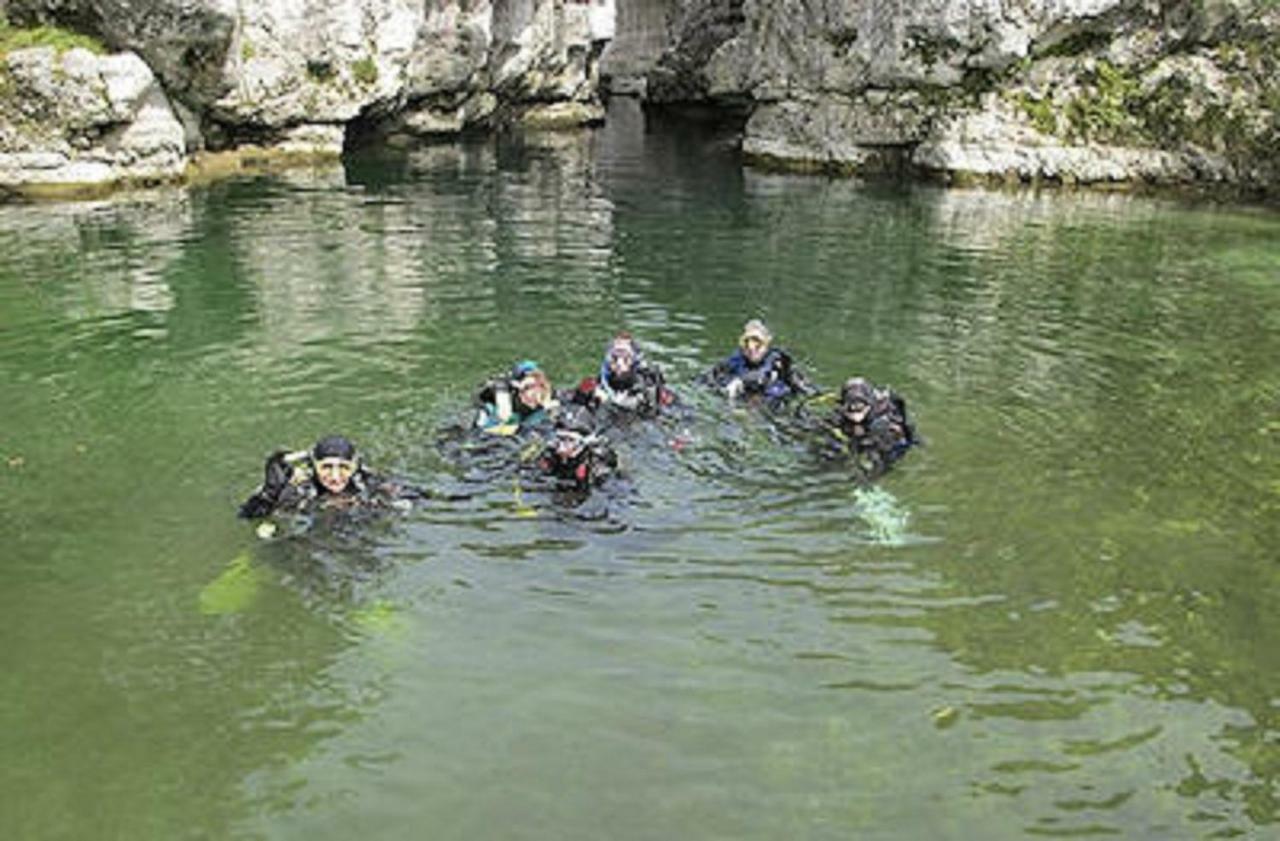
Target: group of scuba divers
<point x="867" y="426"/>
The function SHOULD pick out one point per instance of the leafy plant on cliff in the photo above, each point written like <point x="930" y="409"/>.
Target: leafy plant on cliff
<point x="1040" y="112"/>
<point x="1105" y="112"/>
<point x="1178" y="110"/>
<point x="17" y="38"/>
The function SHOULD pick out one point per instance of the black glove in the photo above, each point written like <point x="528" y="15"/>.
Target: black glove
<point x="255" y="507"/>
<point x="275" y="479"/>
<point x="276" y="475"/>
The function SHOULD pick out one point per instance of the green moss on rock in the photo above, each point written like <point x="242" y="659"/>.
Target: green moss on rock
<point x="365" y="71"/>
<point x="806" y="166"/>
<point x="1105" y="113"/>
<point x="17" y="38"/>
<point x="1041" y="113"/>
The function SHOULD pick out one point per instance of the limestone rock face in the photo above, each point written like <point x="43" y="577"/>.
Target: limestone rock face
<point x="255" y="70"/>
<point x="303" y="61"/>
<point x="642" y="33"/>
<point x="185" y="42"/>
<point x="1071" y="90"/>
<point x="82" y="119"/>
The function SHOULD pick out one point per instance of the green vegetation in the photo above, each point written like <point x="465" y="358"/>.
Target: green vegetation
<point x="247" y="50"/>
<point x="365" y="71"/>
<point x="1116" y="107"/>
<point x="1041" y="113"/>
<point x="16" y="38"/>
<point x="1106" y="114"/>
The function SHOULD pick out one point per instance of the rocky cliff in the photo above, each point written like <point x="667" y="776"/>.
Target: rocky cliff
<point x="294" y="76"/>
<point x="1070" y="91"/>
<point x="1164" y="91"/>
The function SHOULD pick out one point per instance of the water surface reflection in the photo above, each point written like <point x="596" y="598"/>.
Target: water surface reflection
<point x="1051" y="620"/>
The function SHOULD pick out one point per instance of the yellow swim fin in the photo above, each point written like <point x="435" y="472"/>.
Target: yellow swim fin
<point x="234" y="590"/>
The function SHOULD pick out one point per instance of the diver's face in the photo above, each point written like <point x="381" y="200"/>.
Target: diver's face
<point x="621" y="361"/>
<point x="856" y="411"/>
<point x="335" y="473"/>
<point x="568" y="444"/>
<point x="532" y="392"/>
<point x="754" y="348"/>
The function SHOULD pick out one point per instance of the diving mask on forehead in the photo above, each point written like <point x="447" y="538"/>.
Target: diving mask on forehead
<point x="335" y="466"/>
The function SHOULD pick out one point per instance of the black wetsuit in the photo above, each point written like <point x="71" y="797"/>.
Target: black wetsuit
<point x="590" y="467"/>
<point x="644" y="391"/>
<point x="293" y="486"/>
<point x="881" y="437"/>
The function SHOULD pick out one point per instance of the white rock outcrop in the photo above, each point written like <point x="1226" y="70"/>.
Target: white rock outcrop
<point x="294" y="76"/>
<point x="80" y="119"/>
<point x="1167" y="91"/>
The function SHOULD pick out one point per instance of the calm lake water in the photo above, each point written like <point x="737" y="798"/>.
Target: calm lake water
<point x="1057" y="618"/>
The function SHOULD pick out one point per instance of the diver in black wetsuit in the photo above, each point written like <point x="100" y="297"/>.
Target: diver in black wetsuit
<point x="626" y="382"/>
<point x="757" y="369"/>
<point x="869" y="426"/>
<point x="576" y="456"/>
<point x="330" y="475"/>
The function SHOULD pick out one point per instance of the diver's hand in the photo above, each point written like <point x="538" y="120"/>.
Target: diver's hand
<point x="734" y="388"/>
<point x="276" y="475"/>
<point x="275" y="479"/>
<point x="256" y="507"/>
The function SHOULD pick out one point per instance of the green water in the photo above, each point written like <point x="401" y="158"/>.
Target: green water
<point x="1057" y="618"/>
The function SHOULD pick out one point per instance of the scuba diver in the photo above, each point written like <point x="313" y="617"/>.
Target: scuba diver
<point x="576" y="456"/>
<point x="758" y="369"/>
<point x="329" y="475"/>
<point x="626" y="381"/>
<point x="870" y="426"/>
<point x="519" y="401"/>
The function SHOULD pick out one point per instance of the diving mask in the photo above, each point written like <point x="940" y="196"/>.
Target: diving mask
<point x="341" y="467"/>
<point x="569" y="443"/>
